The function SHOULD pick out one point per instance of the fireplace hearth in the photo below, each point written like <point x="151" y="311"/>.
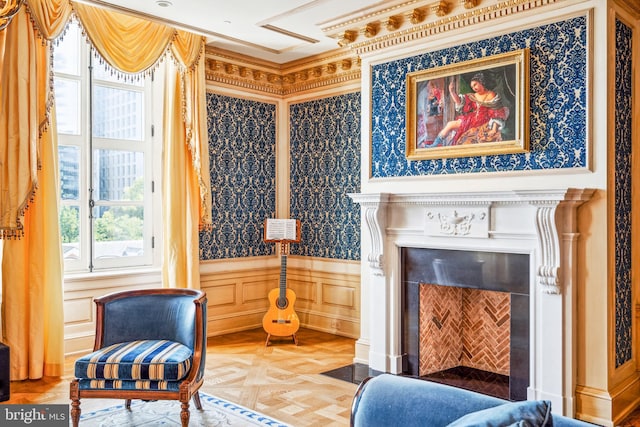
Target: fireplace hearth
<point x="484" y="382"/>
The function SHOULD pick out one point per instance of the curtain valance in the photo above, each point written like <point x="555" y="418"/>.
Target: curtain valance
<point x="128" y="44"/>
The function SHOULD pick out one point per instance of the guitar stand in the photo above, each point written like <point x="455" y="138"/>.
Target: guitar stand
<point x="295" y="340"/>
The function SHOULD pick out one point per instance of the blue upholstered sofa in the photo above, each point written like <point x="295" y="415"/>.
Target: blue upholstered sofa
<point x="390" y="400"/>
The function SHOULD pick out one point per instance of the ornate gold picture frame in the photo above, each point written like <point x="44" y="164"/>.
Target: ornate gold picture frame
<point x="472" y="108"/>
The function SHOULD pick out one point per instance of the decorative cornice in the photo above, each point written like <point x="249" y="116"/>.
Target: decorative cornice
<point x="406" y="21"/>
<point x="334" y="68"/>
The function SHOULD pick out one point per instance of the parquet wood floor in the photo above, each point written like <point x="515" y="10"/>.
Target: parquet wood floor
<point x="281" y="380"/>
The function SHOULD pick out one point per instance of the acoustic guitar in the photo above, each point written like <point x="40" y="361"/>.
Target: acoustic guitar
<point x="281" y="319"/>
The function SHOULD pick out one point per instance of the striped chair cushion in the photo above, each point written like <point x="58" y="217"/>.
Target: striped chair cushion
<point x="155" y="360"/>
<point x="87" y="384"/>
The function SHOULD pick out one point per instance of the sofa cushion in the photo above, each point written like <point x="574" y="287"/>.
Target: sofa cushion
<point x="528" y="413"/>
<point x="156" y="360"/>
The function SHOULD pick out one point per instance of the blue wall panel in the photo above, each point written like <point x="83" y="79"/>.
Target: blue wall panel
<point x="242" y="140"/>
<point x="325" y="167"/>
<point x="623" y="197"/>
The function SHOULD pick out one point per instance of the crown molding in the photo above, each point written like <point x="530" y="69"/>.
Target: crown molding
<point x="399" y="22"/>
<point x="228" y="68"/>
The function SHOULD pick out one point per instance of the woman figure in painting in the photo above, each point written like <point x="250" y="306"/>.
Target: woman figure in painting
<point x="481" y="115"/>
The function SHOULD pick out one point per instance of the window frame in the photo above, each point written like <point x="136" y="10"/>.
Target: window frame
<point x="86" y="143"/>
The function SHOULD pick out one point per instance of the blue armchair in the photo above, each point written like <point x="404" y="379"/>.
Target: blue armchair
<point x="150" y="344"/>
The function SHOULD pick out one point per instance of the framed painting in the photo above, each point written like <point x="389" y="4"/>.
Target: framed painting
<point x="473" y="108"/>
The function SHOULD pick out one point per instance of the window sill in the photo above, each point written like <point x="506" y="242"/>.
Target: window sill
<point x="126" y="277"/>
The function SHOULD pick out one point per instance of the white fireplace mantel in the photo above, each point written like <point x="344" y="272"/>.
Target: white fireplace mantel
<point x="541" y="223"/>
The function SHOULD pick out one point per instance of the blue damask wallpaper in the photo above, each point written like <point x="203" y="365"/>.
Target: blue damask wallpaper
<point x="623" y="179"/>
<point x="242" y="141"/>
<point x="558" y="112"/>
<point x="325" y="167"/>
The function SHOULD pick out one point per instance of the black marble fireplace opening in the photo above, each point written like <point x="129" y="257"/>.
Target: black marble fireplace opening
<point x="468" y="271"/>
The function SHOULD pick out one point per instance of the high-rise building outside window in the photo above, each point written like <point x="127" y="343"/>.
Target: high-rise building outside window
<point x="105" y="160"/>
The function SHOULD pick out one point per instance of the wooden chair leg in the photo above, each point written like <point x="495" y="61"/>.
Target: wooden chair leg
<point x="196" y="400"/>
<point x="75" y="412"/>
<point x="74" y="395"/>
<point x="184" y="414"/>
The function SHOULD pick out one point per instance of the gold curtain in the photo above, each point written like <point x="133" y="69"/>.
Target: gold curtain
<point x="188" y="50"/>
<point x="180" y="266"/>
<point x="131" y="45"/>
<point x="185" y="174"/>
<point x="32" y="295"/>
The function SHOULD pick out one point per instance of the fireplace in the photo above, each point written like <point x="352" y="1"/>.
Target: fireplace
<point x="536" y="228"/>
<point x="465" y="319"/>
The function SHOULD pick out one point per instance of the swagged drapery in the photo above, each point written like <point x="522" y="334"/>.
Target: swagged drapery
<point x="32" y="290"/>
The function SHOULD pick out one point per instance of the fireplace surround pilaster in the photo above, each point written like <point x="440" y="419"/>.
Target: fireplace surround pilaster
<point x="540" y="223"/>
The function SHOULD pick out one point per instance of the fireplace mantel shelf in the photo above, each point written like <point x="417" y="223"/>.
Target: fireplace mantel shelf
<point x="477" y="197"/>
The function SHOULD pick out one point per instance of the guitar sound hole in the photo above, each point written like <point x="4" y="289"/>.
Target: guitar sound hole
<point x="282" y="303"/>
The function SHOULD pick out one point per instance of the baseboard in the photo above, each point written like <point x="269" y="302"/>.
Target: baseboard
<point x="362" y="352"/>
<point x="605" y="408"/>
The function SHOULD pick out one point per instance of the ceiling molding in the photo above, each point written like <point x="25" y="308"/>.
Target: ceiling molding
<point x="228" y="68"/>
<point x="405" y="21"/>
<point x="289" y="33"/>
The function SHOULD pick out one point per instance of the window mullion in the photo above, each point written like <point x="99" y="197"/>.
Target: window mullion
<point x="91" y="203"/>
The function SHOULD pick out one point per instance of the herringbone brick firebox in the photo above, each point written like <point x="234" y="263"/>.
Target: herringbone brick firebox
<point x="464" y="327"/>
<point x="466" y="319"/>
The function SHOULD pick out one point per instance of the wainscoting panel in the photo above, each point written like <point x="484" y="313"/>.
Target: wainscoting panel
<point x="306" y="291"/>
<point x="235" y="297"/>
<point x="328" y="302"/>
<point x="224" y="294"/>
<point x="78" y="310"/>
<point x="325" y="301"/>
<point x="338" y="296"/>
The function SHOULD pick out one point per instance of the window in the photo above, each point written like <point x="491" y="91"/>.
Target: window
<point x="105" y="159"/>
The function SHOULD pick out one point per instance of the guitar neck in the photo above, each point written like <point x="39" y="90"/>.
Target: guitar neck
<point x="283" y="276"/>
<point x="284" y="249"/>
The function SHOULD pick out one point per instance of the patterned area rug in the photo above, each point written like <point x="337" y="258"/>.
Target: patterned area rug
<point x="215" y="412"/>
